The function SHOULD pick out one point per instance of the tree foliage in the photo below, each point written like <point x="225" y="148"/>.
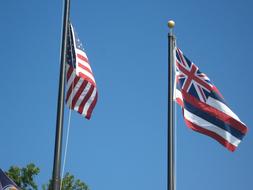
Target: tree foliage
<point x="68" y="183"/>
<point x="25" y="179"/>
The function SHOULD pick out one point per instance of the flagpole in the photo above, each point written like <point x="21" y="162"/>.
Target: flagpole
<point x="171" y="139"/>
<point x="60" y="106"/>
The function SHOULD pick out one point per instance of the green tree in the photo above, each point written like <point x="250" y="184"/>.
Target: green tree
<point x="68" y="183"/>
<point x="24" y="178"/>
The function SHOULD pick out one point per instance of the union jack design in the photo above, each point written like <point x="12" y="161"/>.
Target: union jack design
<point x="81" y="94"/>
<point x="204" y="108"/>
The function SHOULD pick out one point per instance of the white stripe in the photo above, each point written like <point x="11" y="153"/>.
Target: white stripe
<point x="198" y="92"/>
<point x="82" y="53"/>
<point x="178" y="94"/>
<point x="211" y="127"/>
<point x="206" y="78"/>
<point x="77" y="50"/>
<point x="71" y="79"/>
<point x="81" y="97"/>
<point x="221" y="107"/>
<point x="89" y="102"/>
<point x="214" y="103"/>
<point x="74" y="91"/>
<point x="86" y="73"/>
<point x="84" y="63"/>
<point x="186" y="78"/>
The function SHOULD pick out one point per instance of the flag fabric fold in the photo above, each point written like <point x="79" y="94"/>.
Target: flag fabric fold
<point x="81" y="90"/>
<point x="6" y="183"/>
<point x="204" y="108"/>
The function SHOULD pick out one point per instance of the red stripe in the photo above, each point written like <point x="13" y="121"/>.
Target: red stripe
<point x="71" y="87"/>
<point x="82" y="58"/>
<point x="215" y="136"/>
<point x="69" y="72"/>
<point x="78" y="93"/>
<point x="92" y="107"/>
<point x="86" y="98"/>
<point x="180" y="102"/>
<point x="214" y="112"/>
<point x="85" y="68"/>
<point x="217" y="91"/>
<point x="190" y="77"/>
<point x="85" y="77"/>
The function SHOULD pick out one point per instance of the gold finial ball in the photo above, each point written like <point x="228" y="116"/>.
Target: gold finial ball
<point x="171" y="24"/>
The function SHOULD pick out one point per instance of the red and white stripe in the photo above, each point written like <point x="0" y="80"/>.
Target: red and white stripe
<point x="81" y="94"/>
<point x="81" y="86"/>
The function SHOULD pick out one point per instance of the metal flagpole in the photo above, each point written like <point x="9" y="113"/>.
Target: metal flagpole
<point x="171" y="139"/>
<point x="60" y="106"/>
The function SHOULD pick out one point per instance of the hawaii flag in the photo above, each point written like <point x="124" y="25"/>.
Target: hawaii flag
<point x="204" y="108"/>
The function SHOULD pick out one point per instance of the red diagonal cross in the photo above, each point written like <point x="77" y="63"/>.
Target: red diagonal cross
<point x="191" y="76"/>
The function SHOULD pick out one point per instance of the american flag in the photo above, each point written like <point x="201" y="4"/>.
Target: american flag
<point x="81" y="90"/>
<point x="204" y="108"/>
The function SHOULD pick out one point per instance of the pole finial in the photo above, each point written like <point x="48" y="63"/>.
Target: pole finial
<point x="171" y="24"/>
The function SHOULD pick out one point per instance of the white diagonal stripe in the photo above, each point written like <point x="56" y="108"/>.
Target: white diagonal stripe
<point x="83" y="94"/>
<point x="86" y="73"/>
<point x="89" y="102"/>
<point x="221" y="107"/>
<point x="71" y="79"/>
<point x="178" y="94"/>
<point x="81" y="52"/>
<point x="84" y="63"/>
<point x="211" y="127"/>
<point x="74" y="91"/>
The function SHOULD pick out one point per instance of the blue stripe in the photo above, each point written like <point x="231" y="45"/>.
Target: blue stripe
<point x="211" y="119"/>
<point x="216" y="96"/>
<point x="192" y="91"/>
<point x="178" y="86"/>
<point x="177" y="56"/>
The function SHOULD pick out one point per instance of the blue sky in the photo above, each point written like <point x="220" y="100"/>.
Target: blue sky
<point x="124" y="145"/>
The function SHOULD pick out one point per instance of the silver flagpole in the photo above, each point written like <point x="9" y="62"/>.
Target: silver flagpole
<point x="171" y="139"/>
<point x="56" y="178"/>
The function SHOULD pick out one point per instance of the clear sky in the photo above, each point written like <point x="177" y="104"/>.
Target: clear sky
<point x="124" y="145"/>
